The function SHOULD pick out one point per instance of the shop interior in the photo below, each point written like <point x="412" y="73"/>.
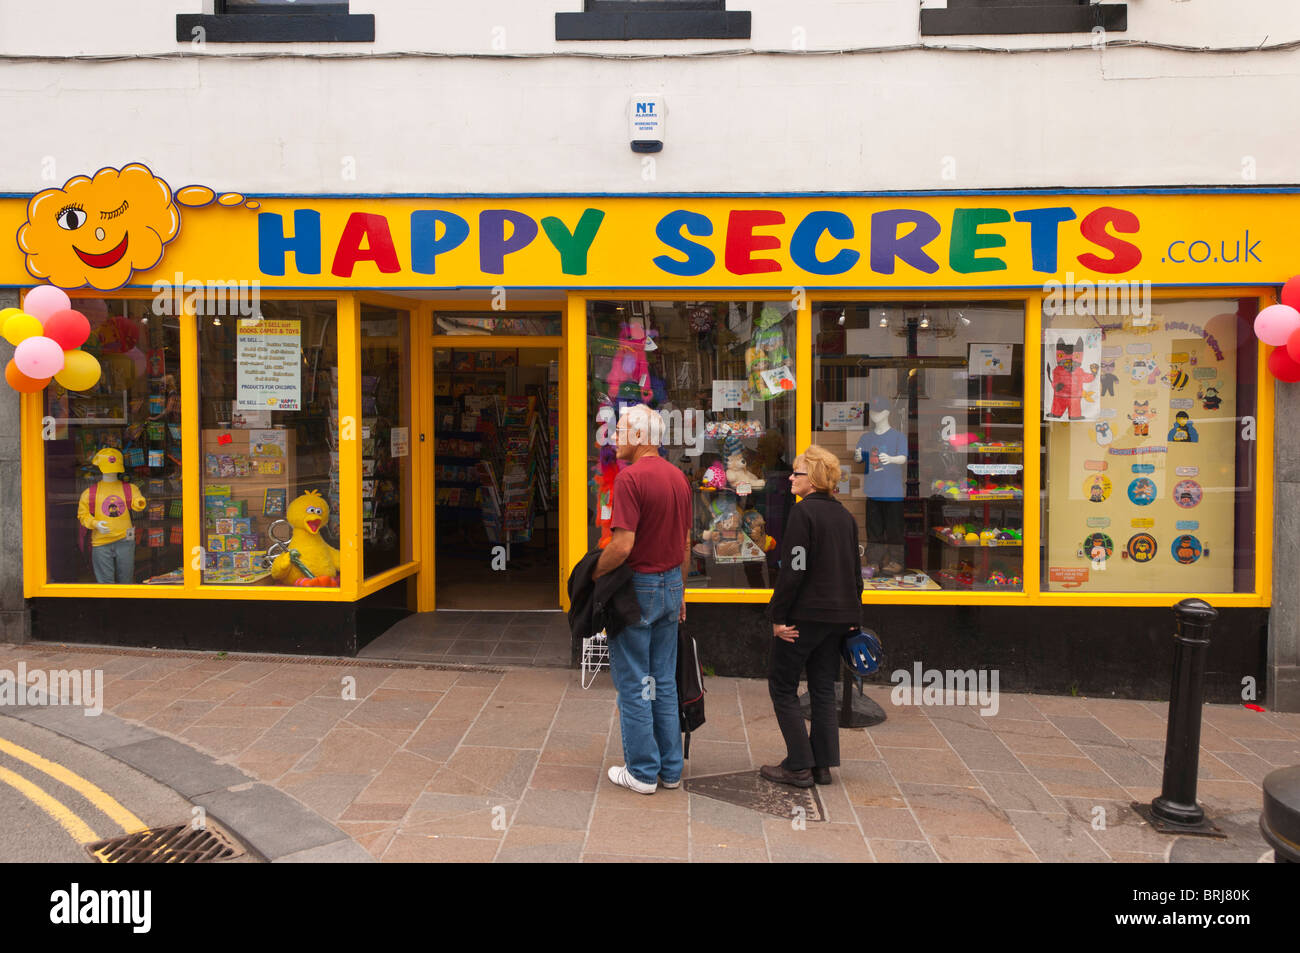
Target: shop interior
<point x="496" y="477"/>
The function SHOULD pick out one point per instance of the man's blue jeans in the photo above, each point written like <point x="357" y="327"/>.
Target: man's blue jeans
<point x="643" y="665"/>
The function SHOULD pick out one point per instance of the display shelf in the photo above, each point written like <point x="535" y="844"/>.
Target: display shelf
<point x="121" y="421"/>
<point x="979" y="498"/>
<point x="982" y="544"/>
<point x="985" y="403"/>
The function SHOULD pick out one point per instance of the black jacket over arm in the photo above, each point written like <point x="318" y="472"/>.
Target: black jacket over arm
<point x="607" y="603"/>
<point x="821" y="575"/>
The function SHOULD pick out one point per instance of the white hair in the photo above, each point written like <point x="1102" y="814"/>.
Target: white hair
<point x="644" y="426"/>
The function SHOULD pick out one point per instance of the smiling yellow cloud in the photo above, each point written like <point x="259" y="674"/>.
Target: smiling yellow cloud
<point x="97" y="231"/>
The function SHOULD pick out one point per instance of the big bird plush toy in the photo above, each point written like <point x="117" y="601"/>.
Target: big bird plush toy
<point x="309" y="561"/>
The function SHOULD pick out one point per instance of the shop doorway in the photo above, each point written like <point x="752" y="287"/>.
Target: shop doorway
<point x="495" y="487"/>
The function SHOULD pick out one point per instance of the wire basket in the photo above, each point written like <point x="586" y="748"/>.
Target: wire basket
<point x="595" y="656"/>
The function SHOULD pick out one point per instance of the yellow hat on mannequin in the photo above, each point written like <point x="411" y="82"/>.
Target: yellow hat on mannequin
<point x="109" y="460"/>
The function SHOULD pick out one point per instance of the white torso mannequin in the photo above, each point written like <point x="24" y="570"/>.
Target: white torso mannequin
<point x="880" y="425"/>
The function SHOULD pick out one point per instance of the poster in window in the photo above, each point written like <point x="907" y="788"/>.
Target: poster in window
<point x="268" y="373"/>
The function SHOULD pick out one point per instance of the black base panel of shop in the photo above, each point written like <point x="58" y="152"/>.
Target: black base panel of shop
<point x="1097" y="652"/>
<point x="221" y="625"/>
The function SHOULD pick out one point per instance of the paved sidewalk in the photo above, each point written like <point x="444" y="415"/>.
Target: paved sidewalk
<point x="508" y="765"/>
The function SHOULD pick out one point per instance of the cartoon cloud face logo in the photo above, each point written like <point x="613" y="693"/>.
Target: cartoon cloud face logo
<point x="96" y="231"/>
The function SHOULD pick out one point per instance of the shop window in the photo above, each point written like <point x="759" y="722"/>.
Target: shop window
<point x="721" y="376"/>
<point x="385" y="439"/>
<point x="276" y="21"/>
<point x="113" y="454"/>
<point x="1148" y="423"/>
<point x="1023" y="16"/>
<point x="268" y="393"/>
<point x="653" y="20"/>
<point x="923" y="405"/>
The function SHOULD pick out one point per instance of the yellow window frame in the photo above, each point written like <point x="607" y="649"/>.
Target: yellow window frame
<point x="36" y="582"/>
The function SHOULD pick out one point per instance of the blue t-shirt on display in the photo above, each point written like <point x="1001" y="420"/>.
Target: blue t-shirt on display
<point x="884" y="481"/>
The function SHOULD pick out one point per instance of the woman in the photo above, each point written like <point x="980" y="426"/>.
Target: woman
<point x="817" y="600"/>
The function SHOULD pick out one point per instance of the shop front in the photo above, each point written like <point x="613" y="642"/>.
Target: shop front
<point x="1052" y="414"/>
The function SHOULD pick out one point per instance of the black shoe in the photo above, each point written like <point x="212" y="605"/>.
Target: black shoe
<point x="778" y="773"/>
<point x="822" y="775"/>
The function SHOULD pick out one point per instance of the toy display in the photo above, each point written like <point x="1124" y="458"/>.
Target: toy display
<point x="972" y="534"/>
<point x="721" y="429"/>
<point x="729" y="533"/>
<point x="104" y="511"/>
<point x="308" y="560"/>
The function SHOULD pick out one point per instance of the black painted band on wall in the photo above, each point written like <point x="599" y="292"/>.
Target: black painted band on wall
<point x="1097" y="652"/>
<point x="659" y="25"/>
<point x="276" y="28"/>
<point x="964" y="18"/>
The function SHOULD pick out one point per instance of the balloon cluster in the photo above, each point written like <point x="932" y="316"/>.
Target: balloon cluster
<point x="1279" y="325"/>
<point x="47" y="339"/>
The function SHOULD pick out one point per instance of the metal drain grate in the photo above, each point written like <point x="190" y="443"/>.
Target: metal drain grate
<point x="181" y="844"/>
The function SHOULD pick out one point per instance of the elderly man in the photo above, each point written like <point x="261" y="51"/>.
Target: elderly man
<point x="651" y="533"/>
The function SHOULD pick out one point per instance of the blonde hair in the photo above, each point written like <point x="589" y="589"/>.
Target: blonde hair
<point x="822" y="466"/>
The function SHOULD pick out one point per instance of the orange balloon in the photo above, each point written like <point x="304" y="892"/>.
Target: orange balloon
<point x="21" y="382"/>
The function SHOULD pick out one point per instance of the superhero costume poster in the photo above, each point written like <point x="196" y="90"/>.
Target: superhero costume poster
<point x="1072" y="374"/>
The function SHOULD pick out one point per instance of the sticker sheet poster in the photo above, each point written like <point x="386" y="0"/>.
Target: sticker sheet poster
<point x="1142" y="498"/>
<point x="269" y="365"/>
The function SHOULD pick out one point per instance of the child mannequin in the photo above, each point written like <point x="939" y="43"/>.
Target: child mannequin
<point x="106" y="516"/>
<point x="884" y="451"/>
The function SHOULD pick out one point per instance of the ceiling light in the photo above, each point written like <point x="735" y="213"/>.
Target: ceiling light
<point x="925" y="321"/>
<point x="841" y="321"/>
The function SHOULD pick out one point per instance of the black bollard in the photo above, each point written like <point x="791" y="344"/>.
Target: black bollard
<point x="1175" y="811"/>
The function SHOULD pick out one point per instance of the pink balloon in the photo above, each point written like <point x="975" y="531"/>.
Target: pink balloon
<point x="39" y="357"/>
<point x="1291" y="293"/>
<point x="1281" y="366"/>
<point x="43" y="301"/>
<point x="1276" y="323"/>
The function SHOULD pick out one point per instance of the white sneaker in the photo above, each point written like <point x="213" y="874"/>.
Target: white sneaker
<point x="676" y="784"/>
<point x="620" y="775"/>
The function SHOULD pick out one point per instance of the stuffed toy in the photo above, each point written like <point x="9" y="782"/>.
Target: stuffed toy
<point x="606" y="470"/>
<point x="309" y="560"/>
<point x="755" y="528"/>
<point x="715" y="478"/>
<point x="738" y="473"/>
<point x="630" y="375"/>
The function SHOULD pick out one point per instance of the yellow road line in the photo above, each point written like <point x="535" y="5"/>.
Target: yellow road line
<point x="70" y="822"/>
<point x="124" y="819"/>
